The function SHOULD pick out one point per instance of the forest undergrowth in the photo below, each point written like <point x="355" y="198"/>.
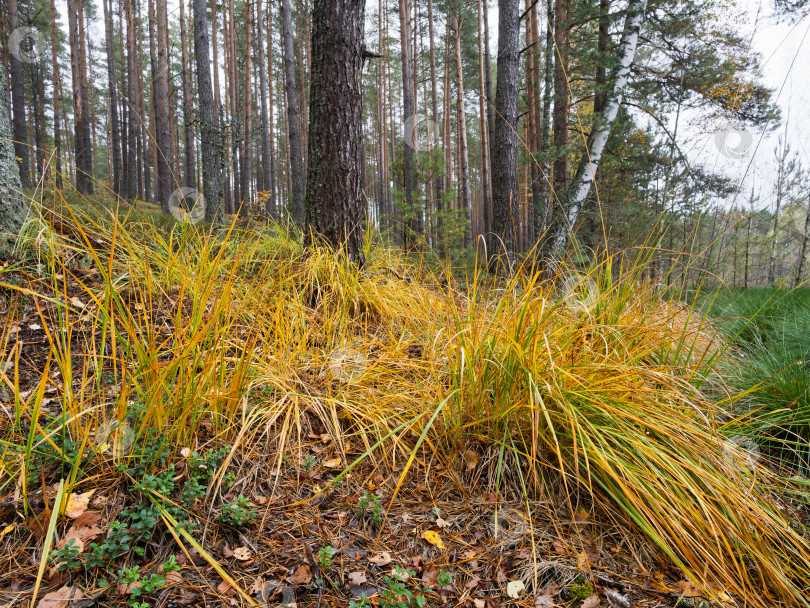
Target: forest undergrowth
<point x="188" y="416"/>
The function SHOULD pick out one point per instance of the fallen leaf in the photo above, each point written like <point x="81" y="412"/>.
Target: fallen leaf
<point x="242" y="554"/>
<point x="61" y="598"/>
<point x="472" y="459"/>
<point x="501" y="577"/>
<point x="77" y="302"/>
<point x="479" y="603"/>
<point x="514" y="589"/>
<point x="77" y="504"/>
<point x="126" y="588"/>
<point x="616" y="599"/>
<point x="225" y="588"/>
<point x="85" y="526"/>
<point x="185" y="452"/>
<point x="430" y="577"/>
<point x="442" y="523"/>
<point x="434" y="539"/>
<point x="558" y="546"/>
<point x="544" y="601"/>
<point x="473" y="582"/>
<point x="688" y="589"/>
<point x="6" y="530"/>
<point x="332" y="463"/>
<point x="357" y="578"/>
<point x="582" y="561"/>
<point x="381" y="559"/>
<point x="175" y="577"/>
<point x="302" y="576"/>
<point x="227" y="551"/>
<point x="39" y="524"/>
<point x="591" y="602"/>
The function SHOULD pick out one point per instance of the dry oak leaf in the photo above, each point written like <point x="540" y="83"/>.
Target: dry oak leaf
<point x="514" y="589"/>
<point x="84" y="527"/>
<point x="77" y="504"/>
<point x="434" y="539"/>
<point x="61" y="598"/>
<point x="430" y="577"/>
<point x="242" y="554"/>
<point x="591" y="602"/>
<point x="544" y="601"/>
<point x="332" y="463"/>
<point x="175" y="577"/>
<point x="473" y="582"/>
<point x="442" y="523"/>
<point x="381" y="559"/>
<point x="582" y="561"/>
<point x="302" y="576"/>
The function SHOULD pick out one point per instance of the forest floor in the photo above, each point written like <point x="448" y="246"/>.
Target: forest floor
<point x="167" y="444"/>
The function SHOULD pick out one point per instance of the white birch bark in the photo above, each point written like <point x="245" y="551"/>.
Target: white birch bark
<point x="581" y="185"/>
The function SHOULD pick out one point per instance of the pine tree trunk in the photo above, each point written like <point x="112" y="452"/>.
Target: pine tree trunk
<point x="113" y="92"/>
<point x="209" y="135"/>
<point x="57" y="135"/>
<point x="133" y="124"/>
<point x="464" y="165"/>
<point x="19" y="129"/>
<point x="408" y="119"/>
<point x="505" y="201"/>
<point x="439" y="181"/>
<point x="81" y="104"/>
<point x="13" y="209"/>
<point x="581" y="185"/>
<point x="161" y="93"/>
<point x="189" y="173"/>
<point x="335" y="177"/>
<point x="267" y="153"/>
<point x="244" y="157"/>
<point x="486" y="201"/>
<point x="296" y="162"/>
<point x="560" y="119"/>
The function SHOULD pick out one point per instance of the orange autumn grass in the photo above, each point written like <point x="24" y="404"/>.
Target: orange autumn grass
<point x="598" y="375"/>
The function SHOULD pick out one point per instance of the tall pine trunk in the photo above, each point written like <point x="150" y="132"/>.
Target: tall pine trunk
<point x="463" y="161"/>
<point x="19" y="129"/>
<point x="505" y="201"/>
<point x="267" y="153"/>
<point x="189" y="173"/>
<point x="408" y="121"/>
<point x="161" y="94"/>
<point x="113" y="91"/>
<point x="335" y="176"/>
<point x="294" y="152"/>
<point x="81" y="103"/>
<point x="209" y="133"/>
<point x="57" y="131"/>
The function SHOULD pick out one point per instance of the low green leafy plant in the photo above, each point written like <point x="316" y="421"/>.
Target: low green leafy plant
<point x="369" y="505"/>
<point x="237" y="513"/>
<point x="67" y="558"/>
<point x="398" y="595"/>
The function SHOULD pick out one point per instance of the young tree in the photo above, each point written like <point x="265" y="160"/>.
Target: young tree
<point x="463" y="161"/>
<point x="12" y="204"/>
<point x="209" y="133"/>
<point x="189" y="172"/>
<point x="296" y="161"/>
<point x="504" y="136"/>
<point x="335" y="200"/>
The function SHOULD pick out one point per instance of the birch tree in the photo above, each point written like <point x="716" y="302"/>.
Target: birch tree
<point x="603" y="120"/>
<point x="12" y="204"/>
